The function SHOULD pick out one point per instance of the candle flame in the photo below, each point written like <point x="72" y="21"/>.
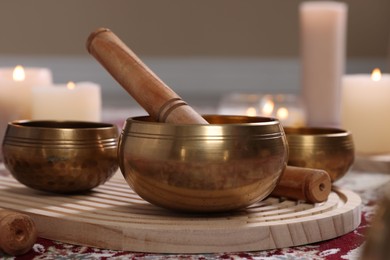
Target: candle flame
<point x="376" y="74"/>
<point x="282" y="113"/>
<point x="18" y="73"/>
<point x="268" y="108"/>
<point x="251" y="111"/>
<point x="71" y="85"/>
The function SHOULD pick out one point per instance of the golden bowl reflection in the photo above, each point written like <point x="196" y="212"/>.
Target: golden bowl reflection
<point x="61" y="156"/>
<point x="329" y="149"/>
<point x="229" y="164"/>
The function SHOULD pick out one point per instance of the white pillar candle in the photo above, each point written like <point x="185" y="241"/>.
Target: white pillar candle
<point x="366" y="110"/>
<point x="15" y="90"/>
<point x="80" y="102"/>
<point x="323" y="34"/>
<point x="15" y="93"/>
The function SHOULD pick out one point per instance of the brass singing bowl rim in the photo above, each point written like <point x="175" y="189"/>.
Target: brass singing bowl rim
<point x="220" y="125"/>
<point x="56" y="131"/>
<point x="317" y="131"/>
<point x="318" y="135"/>
<point x="214" y="120"/>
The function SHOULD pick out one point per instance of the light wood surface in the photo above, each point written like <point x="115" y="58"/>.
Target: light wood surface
<point x="114" y="217"/>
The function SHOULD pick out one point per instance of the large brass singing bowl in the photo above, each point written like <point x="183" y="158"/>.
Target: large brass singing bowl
<point x="329" y="149"/>
<point x="61" y="156"/>
<point x="229" y="164"/>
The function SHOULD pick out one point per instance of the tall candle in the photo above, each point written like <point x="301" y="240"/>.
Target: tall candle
<point x="80" y="101"/>
<point x="323" y="34"/>
<point x="366" y="110"/>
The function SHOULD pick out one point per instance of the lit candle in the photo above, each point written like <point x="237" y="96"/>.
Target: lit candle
<point x="323" y="33"/>
<point x="288" y="108"/>
<point x="15" y="93"/>
<point x="80" y="101"/>
<point x="15" y="90"/>
<point x="365" y="111"/>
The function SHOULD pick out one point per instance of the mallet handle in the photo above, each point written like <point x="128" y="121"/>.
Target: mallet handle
<point x="311" y="185"/>
<point x="160" y="101"/>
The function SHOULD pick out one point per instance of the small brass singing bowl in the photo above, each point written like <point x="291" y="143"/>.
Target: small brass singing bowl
<point x="229" y="164"/>
<point x="61" y="156"/>
<point x="329" y="149"/>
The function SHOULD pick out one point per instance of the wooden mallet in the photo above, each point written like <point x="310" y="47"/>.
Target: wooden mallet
<point x="17" y="232"/>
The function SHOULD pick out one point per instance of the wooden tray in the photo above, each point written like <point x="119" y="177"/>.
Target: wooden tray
<point x="114" y="217"/>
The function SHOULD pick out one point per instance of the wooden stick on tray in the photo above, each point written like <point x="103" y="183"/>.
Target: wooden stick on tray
<point x="311" y="185"/>
<point x="17" y="232"/>
<point x="164" y="105"/>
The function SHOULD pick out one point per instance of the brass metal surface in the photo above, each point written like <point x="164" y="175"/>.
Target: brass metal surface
<point x="229" y="164"/>
<point x="329" y="149"/>
<point x="61" y="156"/>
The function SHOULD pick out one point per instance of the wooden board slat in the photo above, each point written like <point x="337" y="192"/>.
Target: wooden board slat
<point x="114" y="217"/>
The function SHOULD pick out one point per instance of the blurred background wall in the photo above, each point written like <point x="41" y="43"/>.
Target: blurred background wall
<point x="202" y="48"/>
